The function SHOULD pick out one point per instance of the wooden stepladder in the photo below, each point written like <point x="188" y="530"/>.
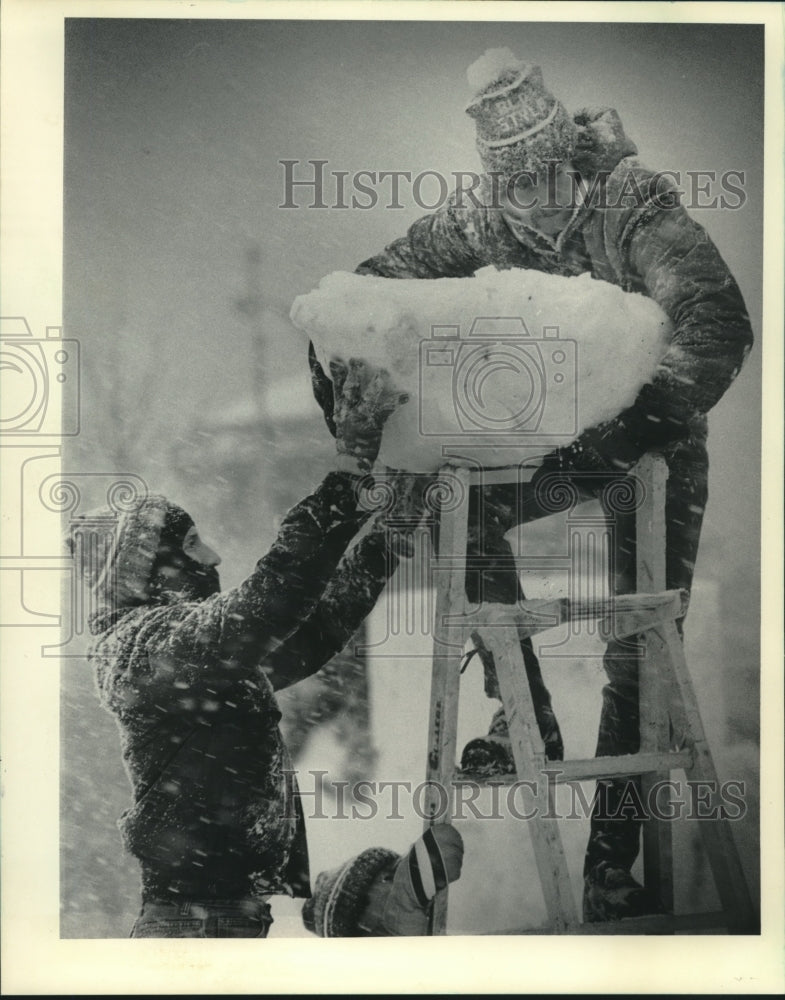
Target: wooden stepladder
<point x="671" y="731"/>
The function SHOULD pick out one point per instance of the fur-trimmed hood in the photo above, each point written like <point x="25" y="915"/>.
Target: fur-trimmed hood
<point x="115" y="552"/>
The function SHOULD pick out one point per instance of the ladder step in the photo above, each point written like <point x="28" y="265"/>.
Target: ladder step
<point x="620" y="616"/>
<point x="653" y="924"/>
<point x="593" y="768"/>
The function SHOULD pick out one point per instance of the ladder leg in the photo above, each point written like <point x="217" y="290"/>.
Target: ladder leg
<point x="655" y="736"/>
<point x="667" y="704"/>
<point x="651" y="577"/>
<point x="445" y="676"/>
<point x="529" y="756"/>
<point x="717" y="835"/>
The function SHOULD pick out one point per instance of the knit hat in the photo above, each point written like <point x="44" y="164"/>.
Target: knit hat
<point x="346" y="903"/>
<point x="115" y="550"/>
<point x="520" y="124"/>
<point x="341" y="894"/>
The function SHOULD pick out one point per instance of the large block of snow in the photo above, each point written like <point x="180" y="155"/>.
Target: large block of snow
<point x="500" y="367"/>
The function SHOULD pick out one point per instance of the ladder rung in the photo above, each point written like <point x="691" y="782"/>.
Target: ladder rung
<point x="622" y="615"/>
<point x="617" y="767"/>
<point x="664" y="923"/>
<point x="504" y="475"/>
<point x="592" y="768"/>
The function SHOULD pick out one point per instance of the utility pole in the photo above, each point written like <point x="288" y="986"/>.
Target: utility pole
<point x="250" y="304"/>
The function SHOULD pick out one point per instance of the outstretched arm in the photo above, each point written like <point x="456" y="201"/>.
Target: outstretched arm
<point x="443" y="244"/>
<point x="683" y="272"/>
<point x="194" y="652"/>
<point x="240" y="625"/>
<point x="673" y="259"/>
<point x="354" y="588"/>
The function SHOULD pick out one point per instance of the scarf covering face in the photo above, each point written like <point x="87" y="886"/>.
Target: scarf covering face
<point x="195" y="581"/>
<point x="119" y="554"/>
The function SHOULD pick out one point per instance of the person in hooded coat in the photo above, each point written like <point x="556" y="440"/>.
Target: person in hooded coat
<point x="565" y="194"/>
<point x="190" y="674"/>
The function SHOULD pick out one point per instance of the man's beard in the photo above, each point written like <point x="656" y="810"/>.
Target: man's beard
<point x="192" y="582"/>
<point x="200" y="582"/>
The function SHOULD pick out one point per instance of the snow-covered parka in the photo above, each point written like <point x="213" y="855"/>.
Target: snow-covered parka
<point x="631" y="231"/>
<point x="191" y="685"/>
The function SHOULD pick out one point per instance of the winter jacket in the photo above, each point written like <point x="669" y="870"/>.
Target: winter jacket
<point x="191" y="686"/>
<point x="638" y="237"/>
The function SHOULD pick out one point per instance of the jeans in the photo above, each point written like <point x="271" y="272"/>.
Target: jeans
<point x="203" y="918"/>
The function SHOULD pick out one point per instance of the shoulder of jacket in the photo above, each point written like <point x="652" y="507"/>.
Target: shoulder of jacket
<point x="140" y="625"/>
<point x="632" y="185"/>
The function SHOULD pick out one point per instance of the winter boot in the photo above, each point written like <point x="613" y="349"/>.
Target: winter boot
<point x="610" y="891"/>
<point x="491" y="755"/>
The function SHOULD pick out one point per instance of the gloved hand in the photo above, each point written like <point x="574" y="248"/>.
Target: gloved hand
<point x="322" y="389"/>
<point x="598" y="455"/>
<point x="364" y="399"/>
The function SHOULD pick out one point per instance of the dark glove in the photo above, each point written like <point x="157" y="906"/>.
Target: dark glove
<point x="602" y="454"/>
<point x="654" y="420"/>
<point x="364" y="399"/>
<point x="322" y="389"/>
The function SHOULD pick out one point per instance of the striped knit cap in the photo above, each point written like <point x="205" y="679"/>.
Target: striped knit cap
<point x="432" y="863"/>
<point x="520" y="124"/>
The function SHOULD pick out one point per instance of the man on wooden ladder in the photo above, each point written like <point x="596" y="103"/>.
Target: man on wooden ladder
<point x="564" y="194"/>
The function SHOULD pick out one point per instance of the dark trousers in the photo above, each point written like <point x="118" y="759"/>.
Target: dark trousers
<point x="613" y="839"/>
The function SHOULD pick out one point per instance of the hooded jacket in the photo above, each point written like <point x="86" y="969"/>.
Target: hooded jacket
<point x="629" y="229"/>
<point x="191" y="684"/>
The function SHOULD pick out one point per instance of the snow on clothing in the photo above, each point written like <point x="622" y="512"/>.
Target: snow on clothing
<point x="191" y="684"/>
<point x="640" y="242"/>
<point x="644" y="242"/>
